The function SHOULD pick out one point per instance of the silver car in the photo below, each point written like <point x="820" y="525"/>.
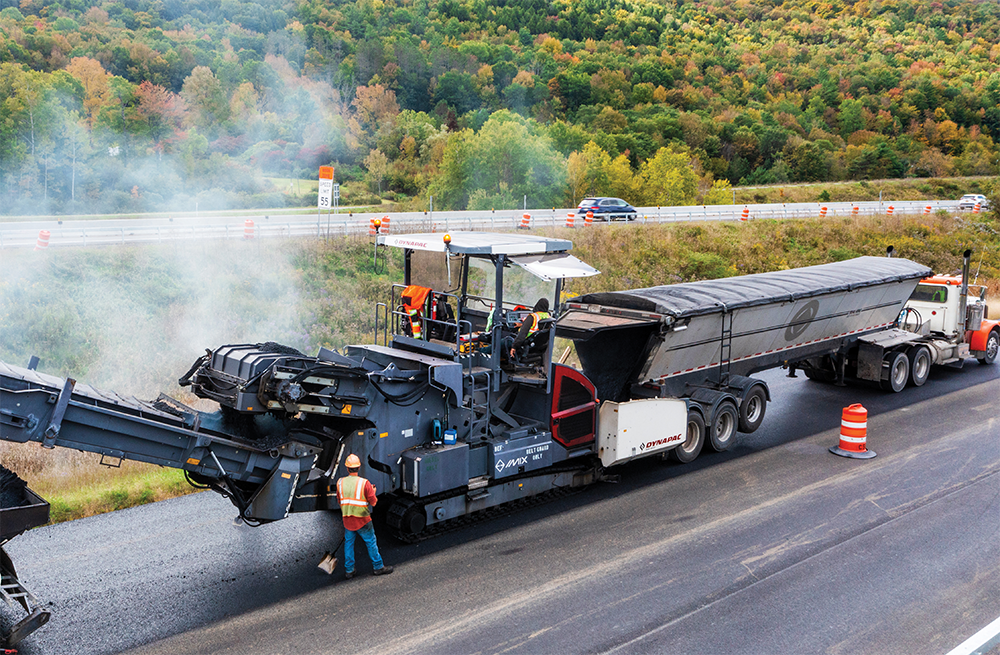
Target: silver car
<point x="970" y="200"/>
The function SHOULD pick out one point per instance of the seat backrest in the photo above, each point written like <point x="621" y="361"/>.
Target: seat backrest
<point x="539" y="340"/>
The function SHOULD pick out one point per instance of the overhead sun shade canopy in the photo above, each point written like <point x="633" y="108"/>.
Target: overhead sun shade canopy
<point x="555" y="266"/>
<point x="478" y="243"/>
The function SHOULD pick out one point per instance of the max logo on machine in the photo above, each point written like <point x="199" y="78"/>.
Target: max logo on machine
<point x="801" y="320"/>
<point x="510" y="463"/>
<point x="659" y="442"/>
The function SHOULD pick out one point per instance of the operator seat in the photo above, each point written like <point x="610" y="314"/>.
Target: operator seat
<point x="532" y="351"/>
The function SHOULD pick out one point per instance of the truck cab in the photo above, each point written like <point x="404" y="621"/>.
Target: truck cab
<point x="953" y="317"/>
<point x="935" y="303"/>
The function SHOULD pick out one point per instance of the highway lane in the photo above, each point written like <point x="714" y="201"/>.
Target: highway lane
<point x="78" y="231"/>
<point x="775" y="546"/>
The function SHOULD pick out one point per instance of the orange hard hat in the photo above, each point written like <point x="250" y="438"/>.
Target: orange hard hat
<point x="353" y="462"/>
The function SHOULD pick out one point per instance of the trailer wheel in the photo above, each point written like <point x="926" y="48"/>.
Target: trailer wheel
<point x="691" y="448"/>
<point x="725" y="420"/>
<point x="821" y="370"/>
<point x="992" y="348"/>
<point x="895" y="371"/>
<point x="752" y="409"/>
<point x="920" y="365"/>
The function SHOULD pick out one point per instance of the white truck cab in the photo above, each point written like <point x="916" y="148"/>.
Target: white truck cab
<point x="936" y="305"/>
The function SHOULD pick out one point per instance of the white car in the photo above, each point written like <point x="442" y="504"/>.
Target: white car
<point x="970" y="200"/>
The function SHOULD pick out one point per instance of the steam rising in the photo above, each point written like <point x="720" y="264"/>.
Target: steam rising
<point x="134" y="319"/>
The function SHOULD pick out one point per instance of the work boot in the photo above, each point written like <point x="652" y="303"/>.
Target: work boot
<point x="348" y="575"/>
<point x="385" y="570"/>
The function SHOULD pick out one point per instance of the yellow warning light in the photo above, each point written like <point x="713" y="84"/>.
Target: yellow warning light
<point x="446" y="238"/>
<point x="378" y="222"/>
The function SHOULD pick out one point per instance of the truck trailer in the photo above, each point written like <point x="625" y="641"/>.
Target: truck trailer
<point x="450" y="421"/>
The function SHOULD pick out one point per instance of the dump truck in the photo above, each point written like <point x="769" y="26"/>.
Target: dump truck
<point x="451" y="420"/>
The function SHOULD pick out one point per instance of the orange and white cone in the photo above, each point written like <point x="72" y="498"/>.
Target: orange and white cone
<point x="853" y="434"/>
<point x="43" y="240"/>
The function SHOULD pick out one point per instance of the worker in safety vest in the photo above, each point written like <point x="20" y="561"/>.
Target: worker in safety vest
<point x="356" y="496"/>
<point x="529" y="326"/>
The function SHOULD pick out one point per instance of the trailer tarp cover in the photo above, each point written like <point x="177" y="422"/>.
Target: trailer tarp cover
<point x="709" y="296"/>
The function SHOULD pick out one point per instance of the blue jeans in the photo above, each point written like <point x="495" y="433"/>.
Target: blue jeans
<point x="367" y="533"/>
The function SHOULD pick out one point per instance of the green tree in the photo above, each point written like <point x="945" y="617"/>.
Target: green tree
<point x="505" y="156"/>
<point x="587" y="171"/>
<point x="205" y="98"/>
<point x="668" y="179"/>
<point x="377" y="164"/>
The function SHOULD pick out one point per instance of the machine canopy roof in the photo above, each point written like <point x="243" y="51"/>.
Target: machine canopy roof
<point x="709" y="296"/>
<point x="552" y="267"/>
<point x="478" y="243"/>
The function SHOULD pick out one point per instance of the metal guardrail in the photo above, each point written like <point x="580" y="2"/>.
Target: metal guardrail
<point x="92" y="233"/>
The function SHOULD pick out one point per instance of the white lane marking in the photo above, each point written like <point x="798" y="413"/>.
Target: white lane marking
<point x="978" y="640"/>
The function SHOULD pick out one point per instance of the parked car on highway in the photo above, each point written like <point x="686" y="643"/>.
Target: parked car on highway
<point x="607" y="209"/>
<point x="970" y="200"/>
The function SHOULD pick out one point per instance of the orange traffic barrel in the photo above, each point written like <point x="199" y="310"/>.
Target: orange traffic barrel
<point x="248" y="230"/>
<point x="854" y="210"/>
<point x="822" y="212"/>
<point x="746" y="214"/>
<point x="853" y="434"/>
<point x="385" y="225"/>
<point x="372" y="227"/>
<point x="570" y="217"/>
<point x="589" y="219"/>
<point x="889" y="210"/>
<point x="927" y="210"/>
<point x="525" y="221"/>
<point x="975" y="210"/>
<point x="43" y="240"/>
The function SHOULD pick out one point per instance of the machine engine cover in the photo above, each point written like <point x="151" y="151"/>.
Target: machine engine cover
<point x="428" y="470"/>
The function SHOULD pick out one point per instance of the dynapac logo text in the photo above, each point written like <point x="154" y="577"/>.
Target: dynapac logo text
<point x="659" y="442"/>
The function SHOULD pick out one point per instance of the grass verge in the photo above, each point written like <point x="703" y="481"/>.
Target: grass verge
<point x="116" y="493"/>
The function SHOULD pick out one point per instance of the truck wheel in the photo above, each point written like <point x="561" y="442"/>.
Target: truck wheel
<point x="992" y="348"/>
<point x="920" y="365"/>
<point x="752" y="409"/>
<point x="725" y="420"/>
<point x="820" y="370"/>
<point x="895" y="371"/>
<point x="691" y="448"/>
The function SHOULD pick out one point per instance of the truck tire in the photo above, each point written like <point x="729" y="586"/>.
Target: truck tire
<point x="752" y="409"/>
<point x="722" y="431"/>
<point x="920" y="365"/>
<point x="992" y="348"/>
<point x="691" y="448"/>
<point x="820" y="370"/>
<point x="895" y="371"/>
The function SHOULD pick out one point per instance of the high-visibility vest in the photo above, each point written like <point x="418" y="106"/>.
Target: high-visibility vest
<point x="351" y="491"/>
<point x="414" y="298"/>
<point x="539" y="317"/>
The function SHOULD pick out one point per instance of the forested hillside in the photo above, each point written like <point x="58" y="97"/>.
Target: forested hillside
<point x="145" y="105"/>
